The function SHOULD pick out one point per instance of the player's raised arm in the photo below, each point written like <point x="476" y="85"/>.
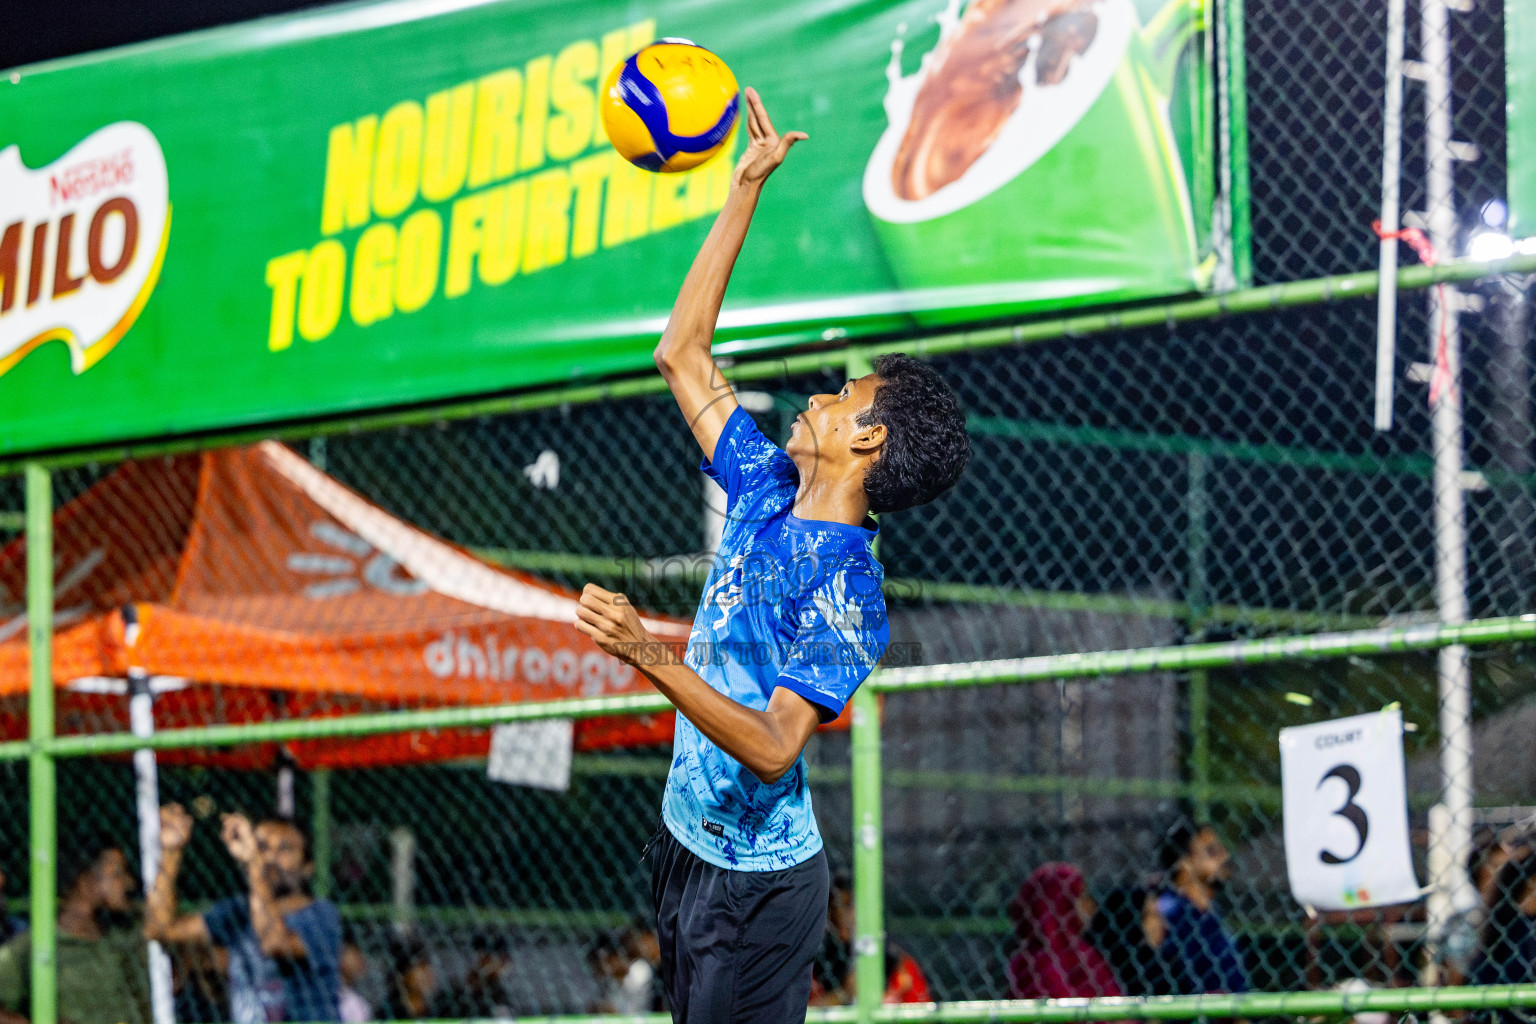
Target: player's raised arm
<point x="683" y="354"/>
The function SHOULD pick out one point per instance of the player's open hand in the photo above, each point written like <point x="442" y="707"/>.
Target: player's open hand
<point x="613" y="624"/>
<point x="766" y="148"/>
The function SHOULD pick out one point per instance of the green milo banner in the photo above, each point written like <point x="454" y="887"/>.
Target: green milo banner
<point x="391" y="203"/>
<point x="1520" y="67"/>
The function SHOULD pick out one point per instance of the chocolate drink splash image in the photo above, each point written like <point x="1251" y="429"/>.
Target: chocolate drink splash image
<point x="974" y="88"/>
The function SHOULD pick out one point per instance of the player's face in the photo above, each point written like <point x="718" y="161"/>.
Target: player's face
<point x="830" y="422"/>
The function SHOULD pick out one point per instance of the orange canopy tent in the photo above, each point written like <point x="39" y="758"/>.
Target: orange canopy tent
<point x="261" y="588"/>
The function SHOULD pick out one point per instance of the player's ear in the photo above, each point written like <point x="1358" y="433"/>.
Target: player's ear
<point x="867" y="440"/>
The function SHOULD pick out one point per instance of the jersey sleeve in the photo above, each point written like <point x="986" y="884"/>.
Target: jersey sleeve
<point x="745" y="460"/>
<point x="841" y="633"/>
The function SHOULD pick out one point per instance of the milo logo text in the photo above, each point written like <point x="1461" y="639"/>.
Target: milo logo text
<point x="81" y="244"/>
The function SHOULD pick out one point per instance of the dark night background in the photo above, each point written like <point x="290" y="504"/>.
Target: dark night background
<point x="34" y="30"/>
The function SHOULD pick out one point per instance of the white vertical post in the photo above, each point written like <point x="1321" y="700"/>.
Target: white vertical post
<point x="402" y="869"/>
<point x="287" y="804"/>
<point x="1391" y="166"/>
<point x="1452" y="891"/>
<point x="146" y="777"/>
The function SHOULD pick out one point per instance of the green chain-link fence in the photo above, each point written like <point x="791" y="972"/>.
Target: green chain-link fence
<point x="1197" y="478"/>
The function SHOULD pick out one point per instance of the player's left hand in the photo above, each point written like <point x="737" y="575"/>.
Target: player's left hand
<point x="613" y="624"/>
<point x="766" y="148"/>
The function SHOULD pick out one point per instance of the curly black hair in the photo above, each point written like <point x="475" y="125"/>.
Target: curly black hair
<point x="926" y="446"/>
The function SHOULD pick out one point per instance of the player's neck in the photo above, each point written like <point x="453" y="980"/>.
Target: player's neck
<point x="827" y="497"/>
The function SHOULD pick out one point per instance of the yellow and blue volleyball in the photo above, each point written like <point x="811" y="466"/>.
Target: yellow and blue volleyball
<point x="670" y="107"/>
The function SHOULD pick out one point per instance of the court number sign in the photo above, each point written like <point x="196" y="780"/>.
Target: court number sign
<point x="1346" y="813"/>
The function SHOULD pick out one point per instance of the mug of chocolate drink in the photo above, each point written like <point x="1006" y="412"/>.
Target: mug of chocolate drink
<point x="1032" y="159"/>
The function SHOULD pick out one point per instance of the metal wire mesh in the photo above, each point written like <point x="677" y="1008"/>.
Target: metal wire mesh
<point x="1315" y="86"/>
<point x="1144" y="489"/>
<point x="1095" y="774"/>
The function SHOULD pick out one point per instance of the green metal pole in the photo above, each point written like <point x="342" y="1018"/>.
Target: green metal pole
<point x="372" y="724"/>
<point x="765" y="365"/>
<point x="868" y="866"/>
<point x="1177" y="658"/>
<point x="320" y="829"/>
<point x="1200" y="746"/>
<point x="868" y="857"/>
<point x="1251" y="1005"/>
<point x="40" y="769"/>
<point x="1197" y="542"/>
<point x="1197" y="598"/>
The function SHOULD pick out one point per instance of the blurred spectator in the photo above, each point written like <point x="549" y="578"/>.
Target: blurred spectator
<point x="1198" y="865"/>
<point x="284" y="945"/>
<point x="642" y="980"/>
<point x="1490" y="852"/>
<point x="103" y="975"/>
<point x="627" y="967"/>
<point x="482" y="993"/>
<point x="833" y="974"/>
<point x="1054" y="961"/>
<point x="1462" y="944"/>
<point x="609" y="966"/>
<point x="11" y="925"/>
<point x="354" y="968"/>
<point x="412" y="983"/>
<point x="199" y="974"/>
<point x="1509" y="937"/>
<point x="1129" y="930"/>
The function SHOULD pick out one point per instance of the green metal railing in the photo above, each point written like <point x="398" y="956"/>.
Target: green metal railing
<point x="897" y="588"/>
<point x="1291" y="1004"/>
<point x="43" y="747"/>
<point x="756" y="365"/>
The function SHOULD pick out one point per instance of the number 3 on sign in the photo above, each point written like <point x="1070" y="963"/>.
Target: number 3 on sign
<point x="1346" y="813"/>
<point x="1350" y="812"/>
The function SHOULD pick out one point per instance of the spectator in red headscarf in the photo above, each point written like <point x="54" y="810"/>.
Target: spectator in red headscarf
<point x="1054" y="961"/>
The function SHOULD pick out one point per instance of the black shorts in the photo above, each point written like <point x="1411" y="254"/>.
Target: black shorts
<point x="736" y="946"/>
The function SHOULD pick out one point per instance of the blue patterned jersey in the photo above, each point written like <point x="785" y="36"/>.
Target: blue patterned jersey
<point x="790" y="602"/>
